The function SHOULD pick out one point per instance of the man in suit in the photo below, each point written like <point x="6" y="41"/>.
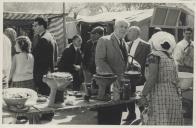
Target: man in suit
<point x="138" y="49"/>
<point x="71" y="61"/>
<point x="45" y="54"/>
<point x="88" y="62"/>
<point x="111" y="57"/>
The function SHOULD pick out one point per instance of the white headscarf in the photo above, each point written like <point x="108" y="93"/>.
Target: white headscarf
<point x="159" y="38"/>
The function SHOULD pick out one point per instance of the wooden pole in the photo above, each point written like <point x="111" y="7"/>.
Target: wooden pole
<point x="64" y="26"/>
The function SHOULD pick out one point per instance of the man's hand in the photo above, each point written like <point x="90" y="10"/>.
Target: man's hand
<point x="77" y="67"/>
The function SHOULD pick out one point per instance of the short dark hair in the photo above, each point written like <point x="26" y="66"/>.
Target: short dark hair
<point x="76" y="36"/>
<point x="24" y="43"/>
<point x="98" y="30"/>
<point x="188" y="29"/>
<point x="42" y="21"/>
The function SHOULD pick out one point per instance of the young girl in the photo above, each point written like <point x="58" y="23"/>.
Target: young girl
<point x="22" y="64"/>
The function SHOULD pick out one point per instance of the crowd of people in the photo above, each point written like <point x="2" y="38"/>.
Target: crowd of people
<point x="160" y="59"/>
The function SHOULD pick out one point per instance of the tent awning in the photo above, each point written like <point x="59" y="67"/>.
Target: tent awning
<point x="26" y="16"/>
<point x="135" y="15"/>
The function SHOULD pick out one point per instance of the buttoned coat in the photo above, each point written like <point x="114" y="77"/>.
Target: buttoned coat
<point x="108" y="57"/>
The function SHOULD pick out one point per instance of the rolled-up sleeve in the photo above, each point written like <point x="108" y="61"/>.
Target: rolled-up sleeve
<point x="178" y="55"/>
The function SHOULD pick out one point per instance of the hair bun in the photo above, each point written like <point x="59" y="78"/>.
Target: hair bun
<point x="165" y="45"/>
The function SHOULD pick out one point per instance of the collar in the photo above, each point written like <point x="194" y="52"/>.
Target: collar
<point x="76" y="48"/>
<point x="42" y="33"/>
<point x="136" y="40"/>
<point x="188" y="42"/>
<point x="118" y="38"/>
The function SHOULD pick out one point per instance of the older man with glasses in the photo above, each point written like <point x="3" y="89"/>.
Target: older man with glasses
<point x="111" y="57"/>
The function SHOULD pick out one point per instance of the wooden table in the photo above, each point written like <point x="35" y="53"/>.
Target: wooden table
<point x="40" y="108"/>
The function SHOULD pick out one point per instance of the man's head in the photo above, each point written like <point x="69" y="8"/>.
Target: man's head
<point x="133" y="33"/>
<point x="188" y="34"/>
<point x="96" y="33"/>
<point x="77" y="41"/>
<point x="120" y="28"/>
<point x="40" y="24"/>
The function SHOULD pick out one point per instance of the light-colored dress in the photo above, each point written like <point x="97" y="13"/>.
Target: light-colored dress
<point x="165" y="106"/>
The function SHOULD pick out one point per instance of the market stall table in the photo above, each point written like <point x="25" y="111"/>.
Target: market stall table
<point x="34" y="112"/>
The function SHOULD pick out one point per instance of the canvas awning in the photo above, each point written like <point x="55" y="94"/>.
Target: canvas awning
<point x="135" y="15"/>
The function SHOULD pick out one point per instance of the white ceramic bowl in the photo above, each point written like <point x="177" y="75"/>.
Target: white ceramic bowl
<point x="55" y="82"/>
<point x="26" y="97"/>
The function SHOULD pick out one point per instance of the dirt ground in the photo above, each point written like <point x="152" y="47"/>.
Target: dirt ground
<point x="86" y="117"/>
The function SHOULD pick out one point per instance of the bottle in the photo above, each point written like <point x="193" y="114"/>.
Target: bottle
<point x="126" y="91"/>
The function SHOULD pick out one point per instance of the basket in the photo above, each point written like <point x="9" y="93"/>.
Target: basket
<point x="24" y="96"/>
<point x="15" y="102"/>
<point x="11" y="100"/>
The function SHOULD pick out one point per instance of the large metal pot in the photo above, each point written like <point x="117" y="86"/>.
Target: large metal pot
<point x="185" y="80"/>
<point x="103" y="81"/>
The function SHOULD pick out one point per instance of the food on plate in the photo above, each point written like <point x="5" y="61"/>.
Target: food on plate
<point x="59" y="75"/>
<point x="41" y="99"/>
<point x="19" y="95"/>
<point x="132" y="72"/>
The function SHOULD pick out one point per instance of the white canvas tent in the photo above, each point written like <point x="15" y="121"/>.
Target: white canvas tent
<point x="140" y="18"/>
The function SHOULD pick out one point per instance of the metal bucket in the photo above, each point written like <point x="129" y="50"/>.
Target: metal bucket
<point x="185" y="80"/>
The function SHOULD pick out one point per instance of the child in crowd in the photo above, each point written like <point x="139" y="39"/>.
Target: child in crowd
<point x="21" y="75"/>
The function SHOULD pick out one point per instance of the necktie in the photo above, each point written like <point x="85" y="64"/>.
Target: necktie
<point x="187" y="45"/>
<point x="123" y="49"/>
<point x="77" y="55"/>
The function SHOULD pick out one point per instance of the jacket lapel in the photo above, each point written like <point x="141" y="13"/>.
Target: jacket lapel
<point x="138" y="49"/>
<point x="116" y="45"/>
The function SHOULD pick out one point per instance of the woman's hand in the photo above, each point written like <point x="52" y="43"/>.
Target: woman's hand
<point x="143" y="101"/>
<point x="77" y="67"/>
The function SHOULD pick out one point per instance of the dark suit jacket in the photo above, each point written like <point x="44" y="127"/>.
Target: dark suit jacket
<point x="88" y="61"/>
<point x="68" y="59"/>
<point x="141" y="53"/>
<point x="45" y="54"/>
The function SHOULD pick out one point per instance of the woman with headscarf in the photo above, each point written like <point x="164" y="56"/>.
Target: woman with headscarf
<point x="161" y="90"/>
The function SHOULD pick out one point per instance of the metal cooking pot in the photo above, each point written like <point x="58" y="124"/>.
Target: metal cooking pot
<point x="185" y="80"/>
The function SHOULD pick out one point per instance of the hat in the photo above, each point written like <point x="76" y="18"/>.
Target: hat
<point x="157" y="29"/>
<point x="97" y="30"/>
<point x="163" y="41"/>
